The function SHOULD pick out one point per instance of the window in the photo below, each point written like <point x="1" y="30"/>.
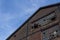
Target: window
<point x="35" y="26"/>
<point x="14" y="35"/>
<point x="53" y="18"/>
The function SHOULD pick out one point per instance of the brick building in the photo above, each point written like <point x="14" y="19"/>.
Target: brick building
<point x="44" y="24"/>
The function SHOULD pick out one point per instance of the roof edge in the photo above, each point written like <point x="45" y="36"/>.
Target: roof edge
<point x="51" y="5"/>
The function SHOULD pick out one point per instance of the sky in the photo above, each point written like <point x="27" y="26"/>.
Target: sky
<point x="13" y="13"/>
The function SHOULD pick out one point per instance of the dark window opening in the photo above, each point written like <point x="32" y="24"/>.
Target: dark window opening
<point x="32" y="27"/>
<point x="35" y="26"/>
<point x="44" y="20"/>
<point x="39" y="25"/>
<point x="44" y="33"/>
<point x="14" y="35"/>
<point x="53" y="18"/>
<point x="56" y="30"/>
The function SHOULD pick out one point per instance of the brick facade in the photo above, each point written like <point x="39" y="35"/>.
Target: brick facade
<point x="35" y="29"/>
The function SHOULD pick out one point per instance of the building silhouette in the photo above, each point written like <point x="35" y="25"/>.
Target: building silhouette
<point x="44" y="24"/>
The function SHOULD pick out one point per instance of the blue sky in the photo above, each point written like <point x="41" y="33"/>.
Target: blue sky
<point x="14" y="12"/>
